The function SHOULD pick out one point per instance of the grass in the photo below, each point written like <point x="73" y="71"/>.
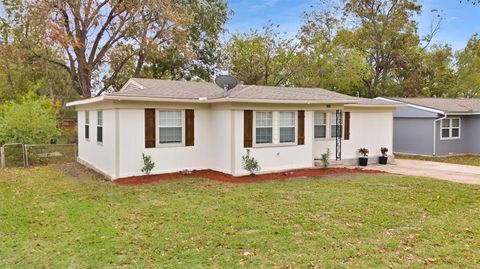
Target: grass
<point x="458" y="159"/>
<point x="50" y="220"/>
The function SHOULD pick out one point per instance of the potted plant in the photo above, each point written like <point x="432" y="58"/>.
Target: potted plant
<point x="363" y="161"/>
<point x="384" y="158"/>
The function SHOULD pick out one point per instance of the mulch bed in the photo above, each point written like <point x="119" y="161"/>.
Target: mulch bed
<point x="222" y="177"/>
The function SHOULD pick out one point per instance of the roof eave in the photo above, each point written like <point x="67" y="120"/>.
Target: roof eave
<point x="377" y="105"/>
<point x="424" y="108"/>
<point x="86" y="101"/>
<point x="462" y="113"/>
<point x="205" y="100"/>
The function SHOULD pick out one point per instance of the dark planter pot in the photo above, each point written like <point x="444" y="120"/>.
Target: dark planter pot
<point x="363" y="161"/>
<point x="382" y="160"/>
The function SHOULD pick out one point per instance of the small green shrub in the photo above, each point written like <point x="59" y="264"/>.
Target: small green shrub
<point x="325" y="158"/>
<point x="148" y="164"/>
<point x="250" y="164"/>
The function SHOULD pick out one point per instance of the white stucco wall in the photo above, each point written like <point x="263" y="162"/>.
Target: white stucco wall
<point x="167" y="159"/>
<point x="219" y="150"/>
<point x="100" y="156"/>
<point x="277" y="157"/>
<point x="371" y="130"/>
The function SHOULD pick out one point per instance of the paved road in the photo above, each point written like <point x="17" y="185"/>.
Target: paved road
<point x="445" y="171"/>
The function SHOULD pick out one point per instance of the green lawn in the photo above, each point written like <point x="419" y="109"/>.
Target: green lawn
<point x="463" y="159"/>
<point x="51" y="220"/>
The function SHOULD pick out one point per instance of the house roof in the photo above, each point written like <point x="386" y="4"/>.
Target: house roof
<point x="444" y="105"/>
<point x="154" y="88"/>
<point x="185" y="91"/>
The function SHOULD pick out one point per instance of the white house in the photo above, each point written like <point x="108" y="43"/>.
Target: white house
<point x="197" y="125"/>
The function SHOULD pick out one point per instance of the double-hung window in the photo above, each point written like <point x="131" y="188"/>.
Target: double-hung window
<point x="287" y="127"/>
<point x="170" y="127"/>
<point x="100" y="126"/>
<point x="450" y="128"/>
<point x="320" y="125"/>
<point x="87" y="125"/>
<point x="263" y="127"/>
<point x="333" y="125"/>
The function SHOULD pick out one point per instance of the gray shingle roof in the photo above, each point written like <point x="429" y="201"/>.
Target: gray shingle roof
<point x="448" y="105"/>
<point x="285" y="93"/>
<point x="193" y="90"/>
<point x="168" y="89"/>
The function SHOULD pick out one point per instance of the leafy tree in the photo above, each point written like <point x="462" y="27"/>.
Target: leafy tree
<point x="190" y="54"/>
<point x="21" y="72"/>
<point x="90" y="35"/>
<point x="468" y="65"/>
<point x="386" y="30"/>
<point x="29" y="121"/>
<point x="440" y="74"/>
<point x="325" y="60"/>
<point x="261" y="58"/>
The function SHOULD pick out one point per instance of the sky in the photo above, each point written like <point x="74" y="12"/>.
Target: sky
<point x="461" y="20"/>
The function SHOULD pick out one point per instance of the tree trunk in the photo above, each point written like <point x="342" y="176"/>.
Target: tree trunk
<point x="140" y="62"/>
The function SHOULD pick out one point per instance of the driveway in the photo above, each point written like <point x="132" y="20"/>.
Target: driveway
<point x="445" y="171"/>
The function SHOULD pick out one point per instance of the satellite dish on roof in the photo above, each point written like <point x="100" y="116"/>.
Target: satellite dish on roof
<point x="226" y="82"/>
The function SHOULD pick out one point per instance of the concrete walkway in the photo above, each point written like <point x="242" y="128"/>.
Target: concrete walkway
<point x="445" y="171"/>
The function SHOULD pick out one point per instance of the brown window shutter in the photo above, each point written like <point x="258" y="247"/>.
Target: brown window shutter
<point x="150" y="128"/>
<point x="301" y="127"/>
<point x="247" y="128"/>
<point x="346" y="125"/>
<point x="189" y="127"/>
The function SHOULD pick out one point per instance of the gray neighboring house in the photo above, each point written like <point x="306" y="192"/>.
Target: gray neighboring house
<point x="436" y="126"/>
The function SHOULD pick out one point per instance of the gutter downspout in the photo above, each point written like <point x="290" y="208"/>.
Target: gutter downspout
<point x="434" y="133"/>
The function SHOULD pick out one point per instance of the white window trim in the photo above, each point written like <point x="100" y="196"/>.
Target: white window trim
<point x="157" y="129"/>
<point x="328" y="136"/>
<point x="255" y="129"/>
<point x="275" y="129"/>
<point x="315" y="125"/>
<point x="295" y="125"/>
<point x="100" y="143"/>
<point x="87" y="124"/>
<point x="451" y="128"/>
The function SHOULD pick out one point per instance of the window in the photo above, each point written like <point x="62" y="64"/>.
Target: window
<point x="333" y="124"/>
<point x="450" y="128"/>
<point x="320" y="125"/>
<point x="170" y="127"/>
<point x="87" y="125"/>
<point x="287" y="127"/>
<point x="100" y="126"/>
<point x="263" y="127"/>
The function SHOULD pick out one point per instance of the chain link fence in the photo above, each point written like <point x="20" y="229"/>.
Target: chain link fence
<point x="20" y="155"/>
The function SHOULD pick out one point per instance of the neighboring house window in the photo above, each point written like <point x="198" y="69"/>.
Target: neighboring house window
<point x="263" y="127"/>
<point x="333" y="124"/>
<point x="87" y="125"/>
<point x="450" y="128"/>
<point x="287" y="127"/>
<point x="320" y="125"/>
<point x="99" y="126"/>
<point x="170" y="127"/>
